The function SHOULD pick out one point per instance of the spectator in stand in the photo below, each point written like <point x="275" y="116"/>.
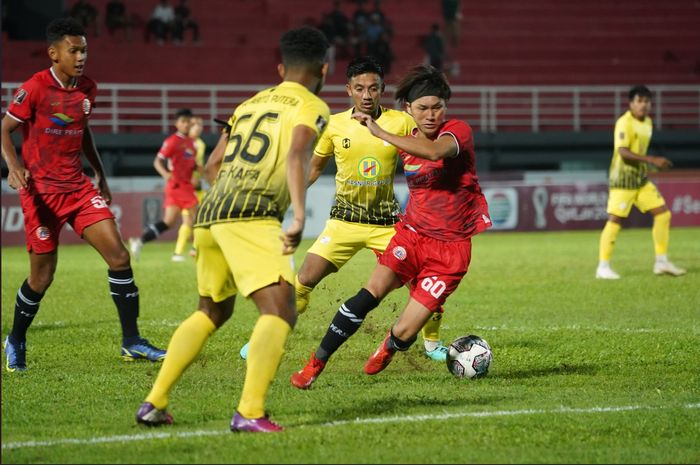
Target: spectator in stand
<point x="452" y="16"/>
<point x="86" y="14"/>
<point x="183" y="21"/>
<point x="384" y="21"/>
<point x="116" y="18"/>
<point x="360" y="21"/>
<point x="434" y="46"/>
<point x="381" y="50"/>
<point x="161" y="23"/>
<point x="336" y="26"/>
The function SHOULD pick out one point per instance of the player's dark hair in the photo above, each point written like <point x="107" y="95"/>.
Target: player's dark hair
<point x="183" y="112"/>
<point x="421" y="81"/>
<point x="304" y="47"/>
<point x="362" y="65"/>
<point x="58" y="28"/>
<point x="642" y="91"/>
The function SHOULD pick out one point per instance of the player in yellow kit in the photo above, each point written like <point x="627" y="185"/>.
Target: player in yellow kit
<point x="241" y="247"/>
<point x="630" y="186"/>
<point x="196" y="127"/>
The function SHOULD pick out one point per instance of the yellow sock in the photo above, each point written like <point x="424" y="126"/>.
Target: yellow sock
<point x="431" y="329"/>
<point x="264" y="356"/>
<point x="607" y="240"/>
<point x="660" y="232"/>
<point x="302" y="295"/>
<point x="183" y="235"/>
<point x="186" y="343"/>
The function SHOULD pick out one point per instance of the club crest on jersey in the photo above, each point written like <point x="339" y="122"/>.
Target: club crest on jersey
<point x="369" y="168"/>
<point x="87" y="106"/>
<point x="346" y="143"/>
<point x="43" y="233"/>
<point x="20" y="96"/>
<point x="399" y="252"/>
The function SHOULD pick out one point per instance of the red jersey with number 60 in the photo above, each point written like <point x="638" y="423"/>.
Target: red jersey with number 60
<point x="445" y="199"/>
<point x="54" y="120"/>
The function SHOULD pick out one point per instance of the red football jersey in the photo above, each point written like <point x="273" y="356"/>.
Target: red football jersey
<point x="445" y="200"/>
<point x="54" y="120"/>
<point x="179" y="151"/>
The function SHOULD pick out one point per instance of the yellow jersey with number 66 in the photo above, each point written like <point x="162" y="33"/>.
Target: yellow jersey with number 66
<point x="366" y="165"/>
<point x="252" y="180"/>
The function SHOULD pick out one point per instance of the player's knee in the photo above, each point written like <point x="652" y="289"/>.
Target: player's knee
<point x="41" y="280"/>
<point x="119" y="259"/>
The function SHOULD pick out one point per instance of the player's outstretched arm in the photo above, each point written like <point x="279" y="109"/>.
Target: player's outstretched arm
<point x="442" y="147"/>
<point x="300" y="150"/>
<point x="18" y="175"/>
<point x="93" y="157"/>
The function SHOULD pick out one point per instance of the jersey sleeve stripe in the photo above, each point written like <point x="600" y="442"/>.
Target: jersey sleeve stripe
<point x="14" y="117"/>
<point x="456" y="142"/>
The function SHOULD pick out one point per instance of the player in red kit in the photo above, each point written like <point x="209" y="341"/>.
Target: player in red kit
<point x="431" y="249"/>
<point x="176" y="162"/>
<point x="53" y="108"/>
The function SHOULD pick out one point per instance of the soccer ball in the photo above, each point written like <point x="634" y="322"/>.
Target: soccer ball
<point x="469" y="357"/>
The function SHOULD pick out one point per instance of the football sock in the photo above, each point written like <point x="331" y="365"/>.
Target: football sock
<point x="607" y="240"/>
<point x="26" y="307"/>
<point x="125" y="295"/>
<point x="431" y="328"/>
<point x="395" y="344"/>
<point x="660" y="232"/>
<point x="153" y="230"/>
<point x="302" y="295"/>
<point x="183" y="235"/>
<point x="187" y="342"/>
<point x="346" y="322"/>
<point x="264" y="356"/>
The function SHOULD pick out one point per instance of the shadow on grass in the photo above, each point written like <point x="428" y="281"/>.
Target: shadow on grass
<point x="563" y="369"/>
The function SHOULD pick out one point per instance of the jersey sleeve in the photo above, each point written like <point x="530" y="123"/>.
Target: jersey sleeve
<point x="315" y="115"/>
<point x="461" y="132"/>
<point x="24" y="102"/>
<point x="324" y="146"/>
<point x="409" y="124"/>
<point x="166" y="150"/>
<point x="623" y="133"/>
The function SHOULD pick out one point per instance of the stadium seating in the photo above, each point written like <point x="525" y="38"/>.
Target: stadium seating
<point x="508" y="42"/>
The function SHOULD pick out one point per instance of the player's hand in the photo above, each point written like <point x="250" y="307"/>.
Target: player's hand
<point x="18" y="178"/>
<point x="661" y="163"/>
<point x="292" y="237"/>
<point x="104" y="191"/>
<point x="368" y="121"/>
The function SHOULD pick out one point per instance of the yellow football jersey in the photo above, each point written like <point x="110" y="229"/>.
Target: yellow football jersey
<point x="634" y="135"/>
<point x="252" y="180"/>
<point x="366" y="165"/>
<point x="201" y="147"/>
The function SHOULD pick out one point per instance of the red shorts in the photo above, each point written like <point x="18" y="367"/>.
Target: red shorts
<point x="432" y="268"/>
<point x="45" y="215"/>
<point x="181" y="195"/>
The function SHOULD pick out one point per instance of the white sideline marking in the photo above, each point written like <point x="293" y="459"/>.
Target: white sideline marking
<point x="357" y="421"/>
<point x="582" y="327"/>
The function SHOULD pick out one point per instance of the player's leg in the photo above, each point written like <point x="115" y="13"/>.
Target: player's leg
<point x="312" y="271"/>
<point x="346" y="322"/>
<point x="154" y="230"/>
<point x="217" y="296"/>
<point x="620" y="203"/>
<point x="651" y="201"/>
<point x="42" y="270"/>
<point x="104" y="236"/>
<point x="401" y="336"/>
<point x="183" y="234"/>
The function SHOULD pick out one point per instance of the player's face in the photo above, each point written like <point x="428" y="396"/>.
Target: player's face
<point x="365" y="90"/>
<point x="70" y="55"/>
<point x="640" y="106"/>
<point x="196" y="127"/>
<point x="429" y="114"/>
<point x="182" y="124"/>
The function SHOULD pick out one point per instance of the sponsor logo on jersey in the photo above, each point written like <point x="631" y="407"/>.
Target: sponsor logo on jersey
<point x="369" y="168"/>
<point x="410" y="170"/>
<point x="61" y="119"/>
<point x="346" y="143"/>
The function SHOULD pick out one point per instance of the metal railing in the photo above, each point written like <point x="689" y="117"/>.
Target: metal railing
<point x="128" y="108"/>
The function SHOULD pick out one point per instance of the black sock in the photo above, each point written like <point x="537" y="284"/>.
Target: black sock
<point x="126" y="297"/>
<point x="26" y="308"/>
<point x="346" y="322"/>
<point x="153" y="230"/>
<point x="395" y="344"/>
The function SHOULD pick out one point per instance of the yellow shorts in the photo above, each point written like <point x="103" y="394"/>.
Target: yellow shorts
<point x="240" y="257"/>
<point x="645" y="198"/>
<point x="340" y="241"/>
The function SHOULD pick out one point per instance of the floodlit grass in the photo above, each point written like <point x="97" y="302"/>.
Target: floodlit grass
<point x="585" y="371"/>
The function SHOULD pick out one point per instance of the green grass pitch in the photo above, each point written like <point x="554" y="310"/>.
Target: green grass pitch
<point x="584" y="370"/>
